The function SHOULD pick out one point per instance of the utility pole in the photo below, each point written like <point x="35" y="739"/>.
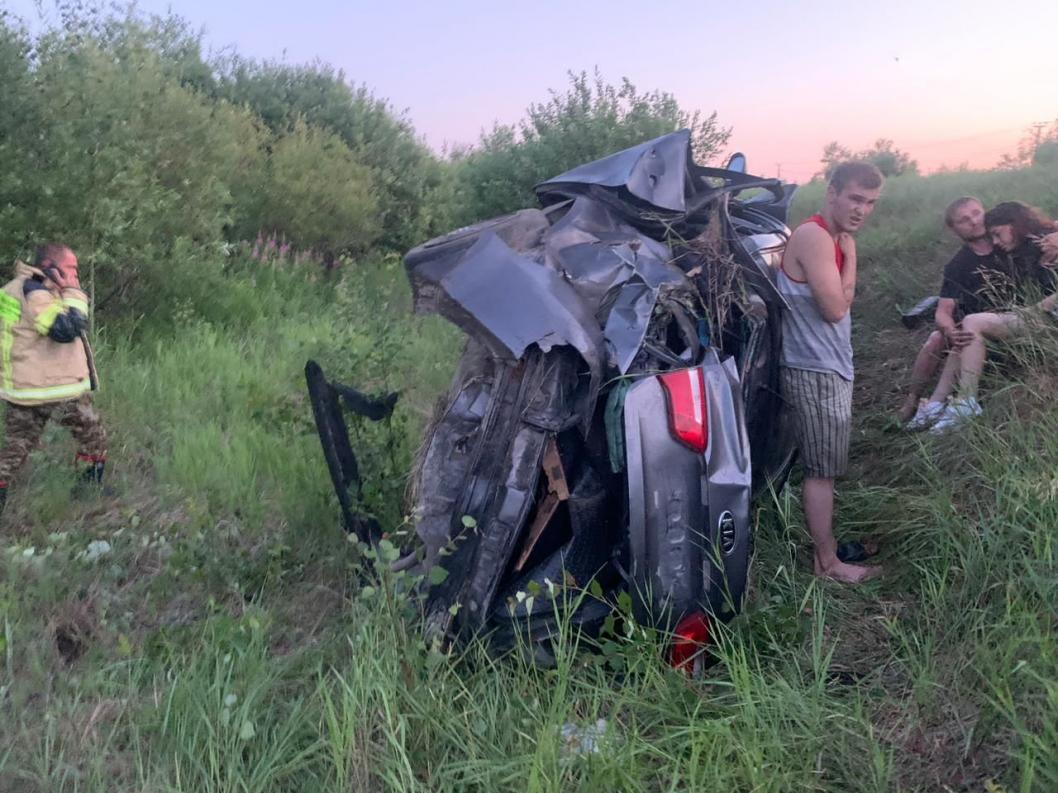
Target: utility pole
<point x="1037" y="133"/>
<point x="778" y="169"/>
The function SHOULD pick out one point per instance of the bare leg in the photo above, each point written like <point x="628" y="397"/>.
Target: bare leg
<point x="973" y="361"/>
<point x="998" y="327"/>
<point x="819" y="514"/>
<point x="922" y="371"/>
<point x="946" y="383"/>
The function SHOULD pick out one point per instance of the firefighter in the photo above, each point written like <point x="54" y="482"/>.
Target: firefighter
<point x="46" y="367"/>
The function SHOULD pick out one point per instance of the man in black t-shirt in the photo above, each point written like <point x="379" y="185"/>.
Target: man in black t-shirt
<point x="1021" y="235"/>
<point x="972" y="279"/>
<point x="976" y="282"/>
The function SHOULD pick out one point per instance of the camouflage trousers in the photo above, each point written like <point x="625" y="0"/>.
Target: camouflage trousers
<point x="25" y="424"/>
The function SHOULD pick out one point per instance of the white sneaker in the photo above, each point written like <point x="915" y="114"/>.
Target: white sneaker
<point x="957" y="414"/>
<point x="925" y="416"/>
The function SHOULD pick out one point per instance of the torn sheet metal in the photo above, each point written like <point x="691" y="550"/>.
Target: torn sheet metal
<point x="656" y="186"/>
<point x="616" y="269"/>
<point x="508" y="301"/>
<point x="575" y="275"/>
<point x="556" y="302"/>
<point x="652" y="172"/>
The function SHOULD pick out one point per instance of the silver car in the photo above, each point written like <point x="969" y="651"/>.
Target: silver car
<point x="615" y="408"/>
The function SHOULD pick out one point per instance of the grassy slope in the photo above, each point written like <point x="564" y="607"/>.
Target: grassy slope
<point x="221" y="644"/>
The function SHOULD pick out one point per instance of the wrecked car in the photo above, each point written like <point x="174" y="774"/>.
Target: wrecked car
<point x="615" y="408"/>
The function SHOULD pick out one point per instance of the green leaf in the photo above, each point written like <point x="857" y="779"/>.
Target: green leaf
<point x="247" y="731"/>
<point x="438" y="575"/>
<point x="388" y="551"/>
<point x="469" y="522"/>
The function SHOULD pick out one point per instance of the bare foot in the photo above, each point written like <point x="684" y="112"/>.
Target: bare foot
<point x="848" y="573"/>
<point x="907" y="410"/>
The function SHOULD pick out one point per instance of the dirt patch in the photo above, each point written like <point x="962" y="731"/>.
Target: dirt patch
<point x="73" y="629"/>
<point x="305" y="612"/>
<point x="945" y="751"/>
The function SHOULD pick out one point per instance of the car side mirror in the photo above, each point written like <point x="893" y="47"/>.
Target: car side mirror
<point x="737" y="162"/>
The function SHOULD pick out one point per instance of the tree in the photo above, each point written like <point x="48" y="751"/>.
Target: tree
<point x="114" y="140"/>
<point x="888" y="159"/>
<point x="405" y="173"/>
<point x="590" y="120"/>
<point x="1046" y="153"/>
<point x="312" y="192"/>
<point x="1038" y="146"/>
<point x="833" y="155"/>
<point x="123" y="159"/>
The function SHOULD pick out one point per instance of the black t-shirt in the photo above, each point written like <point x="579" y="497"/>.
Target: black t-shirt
<point x="978" y="283"/>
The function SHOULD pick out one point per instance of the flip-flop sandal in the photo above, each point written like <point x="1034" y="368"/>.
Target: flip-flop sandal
<point x="854" y="551"/>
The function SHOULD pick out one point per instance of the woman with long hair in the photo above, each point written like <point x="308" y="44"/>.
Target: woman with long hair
<point x="1019" y="229"/>
<point x="1026" y="235"/>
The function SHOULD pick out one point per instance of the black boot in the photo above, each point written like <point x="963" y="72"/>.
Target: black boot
<point x="93" y="474"/>
<point x="91" y="481"/>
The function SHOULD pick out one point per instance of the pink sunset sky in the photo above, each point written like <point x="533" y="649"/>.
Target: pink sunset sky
<point x="949" y="82"/>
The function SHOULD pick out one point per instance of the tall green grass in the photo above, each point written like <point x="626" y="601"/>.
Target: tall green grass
<point x="226" y="643"/>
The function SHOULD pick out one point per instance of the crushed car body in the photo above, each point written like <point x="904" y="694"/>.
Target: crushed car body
<point x="615" y="406"/>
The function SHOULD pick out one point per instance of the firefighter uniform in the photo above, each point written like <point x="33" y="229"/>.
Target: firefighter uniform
<point x="46" y="371"/>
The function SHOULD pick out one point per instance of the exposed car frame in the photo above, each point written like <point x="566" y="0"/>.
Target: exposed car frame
<point x="616" y="405"/>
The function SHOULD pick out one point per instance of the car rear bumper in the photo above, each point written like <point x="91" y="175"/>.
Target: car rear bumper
<point x="688" y="513"/>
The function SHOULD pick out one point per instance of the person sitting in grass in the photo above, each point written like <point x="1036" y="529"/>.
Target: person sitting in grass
<point x="1023" y="234"/>
<point x="964" y="290"/>
<point x="968" y="287"/>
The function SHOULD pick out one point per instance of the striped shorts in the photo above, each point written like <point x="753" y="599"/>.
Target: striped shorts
<point x="820" y="404"/>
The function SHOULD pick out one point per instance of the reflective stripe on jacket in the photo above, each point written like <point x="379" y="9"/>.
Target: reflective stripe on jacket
<point x="34" y="368"/>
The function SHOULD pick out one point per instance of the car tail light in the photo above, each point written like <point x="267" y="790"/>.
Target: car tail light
<point x="689" y="639"/>
<point x="688" y="418"/>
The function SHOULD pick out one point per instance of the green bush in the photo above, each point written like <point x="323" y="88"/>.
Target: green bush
<point x="312" y="192"/>
<point x="120" y="139"/>
<point x="591" y="120"/>
<point x="120" y="160"/>
<point x="405" y="174"/>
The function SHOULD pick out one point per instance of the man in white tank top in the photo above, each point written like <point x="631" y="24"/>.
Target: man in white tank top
<point x="818" y="279"/>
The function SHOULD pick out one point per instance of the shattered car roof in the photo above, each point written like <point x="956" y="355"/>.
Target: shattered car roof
<point x="654" y="172"/>
<point x="586" y="271"/>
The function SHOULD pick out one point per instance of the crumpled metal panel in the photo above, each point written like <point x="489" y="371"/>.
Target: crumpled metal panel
<point x="500" y="530"/>
<point x="616" y="269"/>
<point x="588" y="274"/>
<point x="508" y="301"/>
<point x="627" y="323"/>
<point x="652" y="172"/>
<point x="656" y="186"/>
